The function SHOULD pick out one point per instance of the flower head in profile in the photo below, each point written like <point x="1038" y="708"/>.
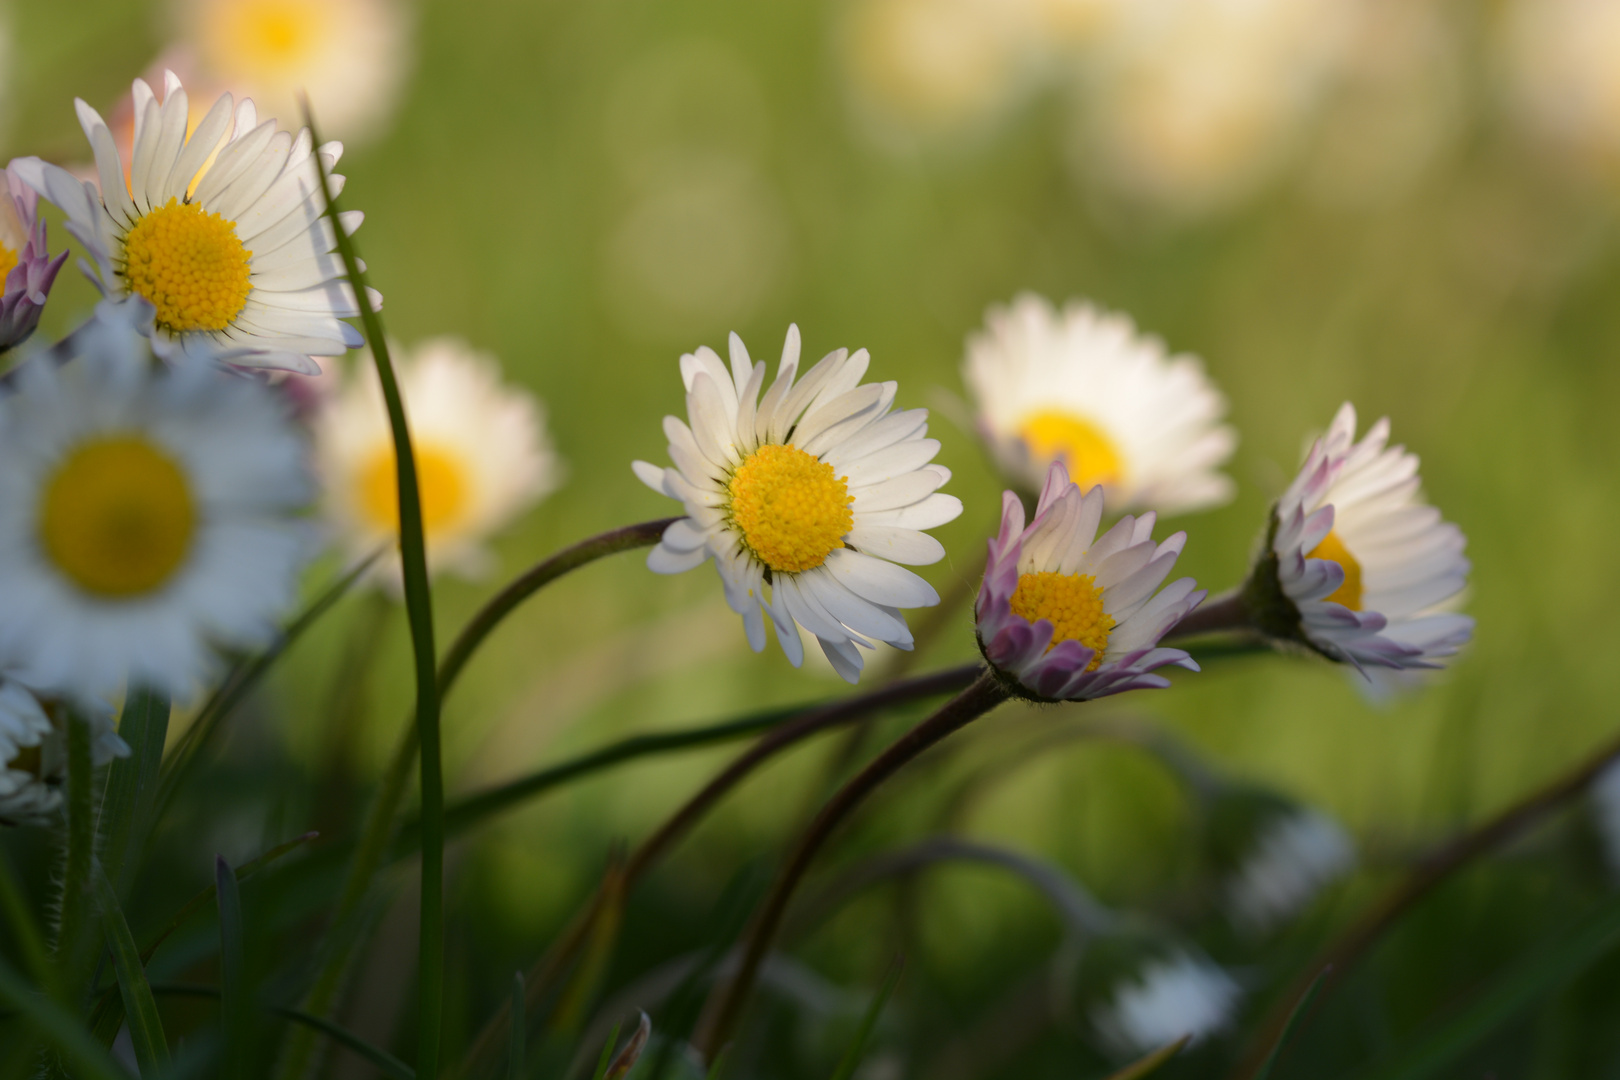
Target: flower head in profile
<point x="1273" y="855"/>
<point x="1084" y="387"/>
<point x="350" y="57"/>
<point x="1356" y="565"/>
<point x="813" y="493"/>
<point x="221" y="232"/>
<point x="27" y="270"/>
<point x="481" y="448"/>
<point x="147" y="515"/>
<point x="33" y="753"/>
<point x="1070" y="616"/>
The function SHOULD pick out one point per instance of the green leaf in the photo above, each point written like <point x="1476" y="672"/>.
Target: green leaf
<point x="127" y="810"/>
<point x="606" y="1059"/>
<point x="520" y="1029"/>
<point x="140" y="1011"/>
<point x="1543" y="971"/>
<point x="852" y="1057"/>
<point x="64" y="1031"/>
<point x="236" y="1020"/>
<point x="1300" y="1008"/>
<point x="1143" y="1066"/>
<point x="25" y="930"/>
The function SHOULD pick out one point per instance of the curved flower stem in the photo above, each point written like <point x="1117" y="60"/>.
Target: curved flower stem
<point x="1224" y="612"/>
<point x="1342" y="953"/>
<point x="372" y="848"/>
<point x="542" y="977"/>
<point x="419" y="609"/>
<point x="984" y="694"/>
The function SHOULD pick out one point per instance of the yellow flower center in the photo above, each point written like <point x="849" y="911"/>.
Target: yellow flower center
<point x="442" y="479"/>
<point x="266" y="37"/>
<point x="792" y="508"/>
<point x="1074" y="605"/>
<point x="190" y="265"/>
<point x="8" y="262"/>
<point x="1090" y="455"/>
<point x="1348" y="594"/>
<point x="117" y="516"/>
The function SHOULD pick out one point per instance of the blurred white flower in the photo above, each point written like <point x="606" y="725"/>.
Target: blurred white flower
<point x="222" y="233"/>
<point x="1184" y="993"/>
<point x="350" y="56"/>
<point x="817" y="491"/>
<point x="1190" y="104"/>
<point x="1358" y="567"/>
<point x="1084" y="387"/>
<point x="1604" y="797"/>
<point x="147" y="514"/>
<point x="33" y="753"/>
<point x="1292" y="857"/>
<point x="482" y="455"/>
<point x="1563" y="78"/>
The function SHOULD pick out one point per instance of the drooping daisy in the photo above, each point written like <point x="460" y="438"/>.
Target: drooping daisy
<point x="350" y="56"/>
<point x="33" y="753"/>
<point x="1274" y="856"/>
<point x="27" y="270"/>
<point x="1068" y="616"/>
<point x="814" y="493"/>
<point x="481" y="449"/>
<point x="1356" y="565"/>
<point x="222" y="232"/>
<point x="1084" y="387"/>
<point x="1182" y="993"/>
<point x="146" y="515"/>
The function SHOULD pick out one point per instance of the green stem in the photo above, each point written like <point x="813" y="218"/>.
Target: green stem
<point x="1228" y="611"/>
<point x="984" y="694"/>
<point x="73" y="931"/>
<point x="419" y="609"/>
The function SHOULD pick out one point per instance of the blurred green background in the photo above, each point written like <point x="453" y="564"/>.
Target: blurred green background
<point x="590" y="189"/>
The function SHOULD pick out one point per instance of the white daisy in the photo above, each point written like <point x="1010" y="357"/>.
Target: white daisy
<point x="1182" y="994"/>
<point x="145" y="515"/>
<point x="1084" y="387"/>
<point x="33" y="753"/>
<point x="1071" y="616"/>
<point x="350" y="56"/>
<point x="481" y="448"/>
<point x="816" y="492"/>
<point x="222" y="232"/>
<point x="1292" y="857"/>
<point x="1357" y="566"/>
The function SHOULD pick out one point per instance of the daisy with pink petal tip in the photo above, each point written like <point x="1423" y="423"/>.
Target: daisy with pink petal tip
<point x="1357" y="566"/>
<point x="1068" y="616"/>
<point x="26" y="266"/>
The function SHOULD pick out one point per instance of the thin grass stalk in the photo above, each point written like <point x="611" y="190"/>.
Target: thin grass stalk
<point x="60" y="1027"/>
<point x="25" y="929"/>
<point x="984" y="694"/>
<point x="72" y="931"/>
<point x="419" y="610"/>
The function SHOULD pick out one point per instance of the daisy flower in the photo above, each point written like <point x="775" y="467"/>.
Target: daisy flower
<point x="1182" y="993"/>
<point x="146" y="515"/>
<point x="1356" y="565"/>
<point x="1275" y="856"/>
<point x="1068" y="616"/>
<point x="350" y="56"/>
<point x="222" y="232"/>
<point x="481" y="448"/>
<point x="33" y="753"/>
<point x="1084" y="387"/>
<point x="814" y="492"/>
<point x="27" y="270"/>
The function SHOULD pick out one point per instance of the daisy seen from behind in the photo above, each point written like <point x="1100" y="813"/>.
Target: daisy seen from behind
<point x="1357" y="566"/>
<point x="220" y="232"/>
<point x="1065" y="615"/>
<point x="1085" y="387"/>
<point x="27" y="270"/>
<point x="147" y="515"/>
<point x="816" y="493"/>
<point x="482" y="455"/>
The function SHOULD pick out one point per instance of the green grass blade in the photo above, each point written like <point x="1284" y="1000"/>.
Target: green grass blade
<point x="25" y="929"/>
<point x="606" y="1059"/>
<point x="520" y="1030"/>
<point x="127" y="810"/>
<point x="1301" y="1007"/>
<point x="1144" y="1066"/>
<point x="419" y="610"/>
<point x="72" y="1039"/>
<point x="73" y="936"/>
<point x="857" y="1049"/>
<point x="1542" y="972"/>
<point x="140" y="1010"/>
<point x="236" y="1020"/>
<point x="206" y="896"/>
